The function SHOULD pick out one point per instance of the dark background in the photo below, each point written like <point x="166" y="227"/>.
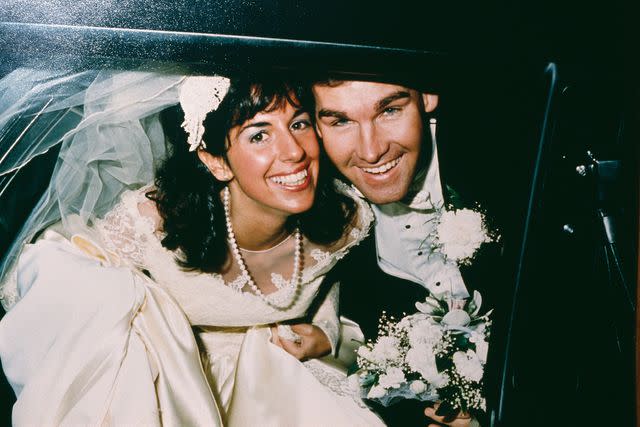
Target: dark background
<point x="562" y="350"/>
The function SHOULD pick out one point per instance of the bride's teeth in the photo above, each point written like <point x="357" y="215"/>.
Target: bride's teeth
<point x="292" y="180"/>
<point x="383" y="168"/>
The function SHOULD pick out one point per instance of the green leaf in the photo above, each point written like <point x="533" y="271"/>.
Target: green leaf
<point x="368" y="380"/>
<point x="353" y="368"/>
<point x="455" y="200"/>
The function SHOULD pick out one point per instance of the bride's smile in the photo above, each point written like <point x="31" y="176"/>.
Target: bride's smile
<point x="294" y="181"/>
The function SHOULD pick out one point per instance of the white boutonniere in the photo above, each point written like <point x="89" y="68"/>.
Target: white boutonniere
<point x="458" y="234"/>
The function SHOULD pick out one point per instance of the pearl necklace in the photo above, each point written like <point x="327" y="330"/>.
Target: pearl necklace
<point x="235" y="249"/>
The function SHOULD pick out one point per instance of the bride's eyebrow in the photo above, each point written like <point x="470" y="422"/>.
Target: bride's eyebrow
<point x="254" y="125"/>
<point x="299" y="112"/>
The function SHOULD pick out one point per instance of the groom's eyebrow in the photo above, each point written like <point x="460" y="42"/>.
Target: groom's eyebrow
<point x="325" y="112"/>
<point x="384" y="102"/>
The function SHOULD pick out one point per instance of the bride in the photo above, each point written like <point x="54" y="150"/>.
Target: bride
<point x="158" y="301"/>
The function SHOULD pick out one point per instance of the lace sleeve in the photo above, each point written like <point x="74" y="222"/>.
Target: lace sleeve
<point x="326" y="318"/>
<point x="364" y="218"/>
<point x="125" y="230"/>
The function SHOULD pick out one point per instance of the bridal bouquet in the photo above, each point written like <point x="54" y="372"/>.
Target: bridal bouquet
<point x="438" y="353"/>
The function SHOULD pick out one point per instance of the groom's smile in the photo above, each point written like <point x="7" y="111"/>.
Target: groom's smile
<point x="383" y="168"/>
<point x="373" y="133"/>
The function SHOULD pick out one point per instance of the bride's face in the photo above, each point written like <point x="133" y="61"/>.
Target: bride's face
<point x="274" y="160"/>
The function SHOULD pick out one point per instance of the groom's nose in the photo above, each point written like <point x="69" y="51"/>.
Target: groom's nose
<point x="371" y="146"/>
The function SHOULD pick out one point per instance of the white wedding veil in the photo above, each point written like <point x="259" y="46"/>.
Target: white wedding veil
<point x="107" y="126"/>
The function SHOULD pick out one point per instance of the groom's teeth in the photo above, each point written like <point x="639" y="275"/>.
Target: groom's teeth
<point x="383" y="168"/>
<point x="292" y="180"/>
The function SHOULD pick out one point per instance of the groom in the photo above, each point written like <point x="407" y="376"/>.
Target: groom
<point x="379" y="138"/>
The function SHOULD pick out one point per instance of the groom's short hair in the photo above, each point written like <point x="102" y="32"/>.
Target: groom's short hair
<point x="337" y="79"/>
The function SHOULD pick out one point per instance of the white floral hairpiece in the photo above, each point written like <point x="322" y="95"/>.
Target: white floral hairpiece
<point x="200" y="95"/>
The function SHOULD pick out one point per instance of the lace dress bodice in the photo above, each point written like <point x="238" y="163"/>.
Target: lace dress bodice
<point x="219" y="299"/>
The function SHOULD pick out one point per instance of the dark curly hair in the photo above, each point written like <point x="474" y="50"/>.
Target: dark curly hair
<point x="188" y="195"/>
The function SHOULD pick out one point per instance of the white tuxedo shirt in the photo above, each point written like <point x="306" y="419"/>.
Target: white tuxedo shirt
<point x="401" y="235"/>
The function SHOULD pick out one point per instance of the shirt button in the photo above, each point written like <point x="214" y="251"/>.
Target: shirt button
<point x="407" y="226"/>
<point x="419" y="252"/>
<point x="437" y="283"/>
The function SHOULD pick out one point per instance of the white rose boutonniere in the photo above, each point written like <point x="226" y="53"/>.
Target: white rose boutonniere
<point x="460" y="233"/>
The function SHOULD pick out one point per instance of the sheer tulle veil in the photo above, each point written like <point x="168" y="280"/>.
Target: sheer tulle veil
<point x="107" y="125"/>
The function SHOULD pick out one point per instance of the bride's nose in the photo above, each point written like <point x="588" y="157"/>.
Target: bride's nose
<point x="290" y="149"/>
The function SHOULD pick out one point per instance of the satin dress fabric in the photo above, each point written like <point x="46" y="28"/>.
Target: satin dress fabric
<point x="95" y="341"/>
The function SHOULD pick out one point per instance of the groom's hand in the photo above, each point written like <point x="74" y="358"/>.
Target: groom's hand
<point x="313" y="343"/>
<point x="461" y="420"/>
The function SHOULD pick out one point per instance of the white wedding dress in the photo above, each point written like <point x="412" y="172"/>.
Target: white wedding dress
<point x="109" y="330"/>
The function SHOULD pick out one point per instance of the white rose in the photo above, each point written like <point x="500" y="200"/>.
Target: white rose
<point x="385" y="349"/>
<point x="422" y="360"/>
<point x="424" y="332"/>
<point x="441" y="381"/>
<point x="376" y="392"/>
<point x="417" y="386"/>
<point x="425" y="364"/>
<point x="393" y="378"/>
<point x="468" y="365"/>
<point x="460" y="233"/>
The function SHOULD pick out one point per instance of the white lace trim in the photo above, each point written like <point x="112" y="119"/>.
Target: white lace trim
<point x="334" y="380"/>
<point x="319" y="255"/>
<point x="238" y="283"/>
<point x="124" y="230"/>
<point x="281" y="296"/>
<point x="279" y="281"/>
<point x="9" y="290"/>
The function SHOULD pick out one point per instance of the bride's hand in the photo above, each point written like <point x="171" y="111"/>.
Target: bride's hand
<point x="461" y="420"/>
<point x="313" y="343"/>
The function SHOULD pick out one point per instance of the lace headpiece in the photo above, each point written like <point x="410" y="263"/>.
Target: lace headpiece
<point x="200" y="95"/>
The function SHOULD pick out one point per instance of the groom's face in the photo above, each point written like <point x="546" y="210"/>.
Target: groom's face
<point x="373" y="133"/>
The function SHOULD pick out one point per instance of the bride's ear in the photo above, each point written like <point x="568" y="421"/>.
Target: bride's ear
<point x="430" y="102"/>
<point x="217" y="165"/>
